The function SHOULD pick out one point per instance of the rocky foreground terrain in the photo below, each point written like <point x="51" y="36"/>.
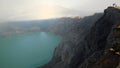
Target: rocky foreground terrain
<point x="92" y="42"/>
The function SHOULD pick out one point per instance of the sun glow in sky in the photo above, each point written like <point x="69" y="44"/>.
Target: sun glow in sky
<point x="44" y="9"/>
<point x="47" y="11"/>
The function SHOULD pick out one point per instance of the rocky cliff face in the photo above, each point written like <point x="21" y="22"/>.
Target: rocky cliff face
<point x="101" y="39"/>
<point x="87" y="42"/>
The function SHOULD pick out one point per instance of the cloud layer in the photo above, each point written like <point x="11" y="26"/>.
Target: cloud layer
<point x="43" y="9"/>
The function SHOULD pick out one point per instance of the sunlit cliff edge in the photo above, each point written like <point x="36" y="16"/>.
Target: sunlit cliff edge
<point x="93" y="42"/>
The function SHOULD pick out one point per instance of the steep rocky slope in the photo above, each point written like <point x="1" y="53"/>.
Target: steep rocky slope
<point x="86" y="43"/>
<point x="101" y="39"/>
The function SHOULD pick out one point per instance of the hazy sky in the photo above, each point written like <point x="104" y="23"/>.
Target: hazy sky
<point x="44" y="9"/>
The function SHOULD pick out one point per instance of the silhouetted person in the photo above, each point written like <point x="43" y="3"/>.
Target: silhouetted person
<point x="114" y="5"/>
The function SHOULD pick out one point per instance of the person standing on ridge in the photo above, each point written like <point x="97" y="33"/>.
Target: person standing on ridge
<point x="114" y="5"/>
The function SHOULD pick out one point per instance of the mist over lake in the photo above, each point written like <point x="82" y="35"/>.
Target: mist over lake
<point x="28" y="50"/>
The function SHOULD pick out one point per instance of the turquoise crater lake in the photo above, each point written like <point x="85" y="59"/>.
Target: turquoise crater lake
<point x="28" y="50"/>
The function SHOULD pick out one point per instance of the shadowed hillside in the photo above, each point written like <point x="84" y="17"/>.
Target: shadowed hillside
<point x="87" y="43"/>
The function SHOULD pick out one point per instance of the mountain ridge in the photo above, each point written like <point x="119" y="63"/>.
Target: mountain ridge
<point x="80" y="51"/>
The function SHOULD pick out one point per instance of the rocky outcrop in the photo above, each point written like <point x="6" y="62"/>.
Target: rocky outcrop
<point x="102" y="38"/>
<point x="86" y="43"/>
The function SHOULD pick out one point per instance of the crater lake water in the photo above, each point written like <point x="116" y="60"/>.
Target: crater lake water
<point x="28" y="50"/>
